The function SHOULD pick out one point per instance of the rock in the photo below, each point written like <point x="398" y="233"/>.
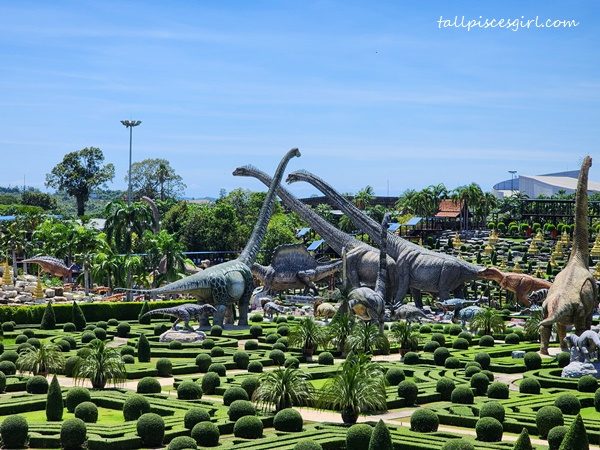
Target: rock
<point x="578" y="369"/>
<point x="182" y="336"/>
<point x="59" y="299"/>
<point x="58" y="291"/>
<point x="11" y="294"/>
<point x="49" y="293"/>
<point x="30" y="287"/>
<point x="69" y="296"/>
<point x="23" y="298"/>
<point x="517" y="354"/>
<point x="31" y="278"/>
<point x="20" y="285"/>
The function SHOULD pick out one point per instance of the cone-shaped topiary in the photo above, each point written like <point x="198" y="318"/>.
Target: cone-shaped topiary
<point x="78" y="318"/>
<point x="54" y="402"/>
<point x="141" y="319"/>
<point x="143" y="349"/>
<point x="576" y="437"/>
<point x="523" y="442"/>
<point x="381" y="438"/>
<point x="48" y="319"/>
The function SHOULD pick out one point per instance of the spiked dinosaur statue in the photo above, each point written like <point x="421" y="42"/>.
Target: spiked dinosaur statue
<point x="362" y="260"/>
<point x="184" y="313"/>
<point x="231" y="282"/>
<point x="51" y="265"/>
<point x="292" y="267"/>
<point x="518" y="283"/>
<point x="417" y="268"/>
<point x="572" y="297"/>
<point x="369" y="304"/>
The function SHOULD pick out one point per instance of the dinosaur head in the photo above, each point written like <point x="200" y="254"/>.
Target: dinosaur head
<point x="491" y="273"/>
<point x="244" y="171"/>
<point x="295" y="176"/>
<point x="209" y="309"/>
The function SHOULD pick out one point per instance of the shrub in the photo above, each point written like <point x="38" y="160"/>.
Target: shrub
<point x="466" y="335"/>
<point x="75" y="396"/>
<point x="255" y="367"/>
<point x="100" y="333"/>
<point x="34" y="342"/>
<point x="307" y="444"/>
<point x="70" y="364"/>
<point x="568" y="403"/>
<point x="2" y="382"/>
<point x="203" y="361"/>
<point x="445" y="387"/>
<point x="256" y="331"/>
<point x="248" y="427"/>
<point x="29" y="333"/>
<point x="411" y="358"/>
<point x="512" y="338"/>
<point x="54" y="402"/>
<point x="492" y="409"/>
<point x="8" y="367"/>
<point x="486" y="341"/>
<point x="143" y="349"/>
<point x="283" y="330"/>
<point x="210" y="382"/>
<point x="73" y="434"/>
<point x="292" y="362"/>
<point x="597" y="400"/>
<point x="9" y="355"/>
<point x="458" y="444"/>
<point x="87" y="411"/>
<point x="194" y="416"/>
<point x="529" y="386"/>
<point x="473" y="364"/>
<point x="381" y="438"/>
<point x="218" y="368"/>
<point x="14" y="431"/>
<point x="216" y="330"/>
<point x="128" y="359"/>
<point x="234" y="393"/>
<point x="21" y="338"/>
<point x="217" y="351"/>
<point x="277" y="356"/>
<point x="358" y="436"/>
<point x="454" y="330"/>
<point x="532" y="361"/>
<point x="430" y="346"/>
<point x="440" y="355"/>
<point x="8" y="326"/>
<point x="471" y="370"/>
<point x="148" y="385"/>
<point x="587" y="383"/>
<point x="164" y="367"/>
<point x="452" y="363"/>
<point x="394" y="376"/>
<point x="135" y="406"/>
<point x="424" y="421"/>
<point x="77" y="317"/>
<point x="279" y="346"/>
<point x="460" y="344"/>
<point x="480" y="382"/>
<point x="462" y="395"/>
<point x="563" y="359"/>
<point x="87" y="337"/>
<point x="208" y="343"/>
<point x="488" y="429"/>
<point x="151" y="428"/>
<point x="64" y="345"/>
<point x="546" y="418"/>
<point x="113" y="322"/>
<point x="409" y="391"/>
<point x="250" y="384"/>
<point x="576" y="437"/>
<point x="127" y="350"/>
<point x="498" y="390"/>
<point x="240" y="408"/>
<point x="49" y="318"/>
<point x="37" y="385"/>
<point x="556" y="436"/>
<point x="175" y="345"/>
<point x="439" y="338"/>
<point x="206" y="434"/>
<point x="256" y="317"/>
<point x="182" y="443"/>
<point x="272" y="338"/>
<point x="288" y="419"/>
<point x="241" y="360"/>
<point x="325" y="359"/>
<point x="188" y="390"/>
<point x="251" y="345"/>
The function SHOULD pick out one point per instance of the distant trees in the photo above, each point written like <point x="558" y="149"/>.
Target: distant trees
<point x="41" y="199"/>
<point x="79" y="173"/>
<point x="155" y="178"/>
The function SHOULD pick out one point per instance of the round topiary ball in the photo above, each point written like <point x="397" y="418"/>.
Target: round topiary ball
<point x="87" y="411"/>
<point x="492" y="409"/>
<point x="216" y="330"/>
<point x="325" y="359"/>
<point x="70" y="364"/>
<point x="8" y="326"/>
<point x="210" y="382"/>
<point x="8" y="367"/>
<point x="498" y="390"/>
<point x="512" y="339"/>
<point x="445" y="386"/>
<point x="151" y="428"/>
<point x="597" y="400"/>
<point x="14" y="432"/>
<point x="148" y="385"/>
<point x="424" y="421"/>
<point x="466" y="335"/>
<point x="37" y="385"/>
<point x="430" y="346"/>
<point x="439" y="338"/>
<point x="123" y="329"/>
<point x="283" y="330"/>
<point x="458" y="444"/>
<point x="292" y="362"/>
<point x="255" y="367"/>
<point x="164" y="367"/>
<point x="424" y="329"/>
<point x="488" y="374"/>
<point x="454" y="330"/>
<point x="307" y="444"/>
<point x="471" y="370"/>
<point x="175" y="345"/>
<point x="182" y="443"/>
<point x="128" y="359"/>
<point x="256" y="331"/>
<point x="279" y="346"/>
<point x="452" y="363"/>
<point x="100" y="333"/>
<point x="248" y="427"/>
<point x="358" y="436"/>
<point x="188" y="390"/>
<point x="217" y="352"/>
<point x="460" y="344"/>
<point x="251" y="345"/>
<point x="2" y="382"/>
<point x="113" y="322"/>
<point x="9" y="355"/>
<point x="411" y="358"/>
<point x="87" y="337"/>
<point x="240" y="408"/>
<point x="394" y="376"/>
<point x="409" y="391"/>
<point x="587" y="383"/>
<point x="241" y="360"/>
<point x="462" y="395"/>
<point x="489" y="429"/>
<point x="272" y="338"/>
<point x="135" y="406"/>
<point x="218" y="368"/>
<point x="486" y="341"/>
<point x="75" y="396"/>
<point x="194" y="416"/>
<point x="29" y="333"/>
<point x="440" y="355"/>
<point x="288" y="419"/>
<point x="208" y="343"/>
<point x="203" y="361"/>
<point x="568" y="403"/>
<point x="234" y="393"/>
<point x="64" y="345"/>
<point x="556" y="436"/>
<point x="73" y="434"/>
<point x="277" y="356"/>
<point x="529" y="386"/>
<point x="546" y="418"/>
<point x="250" y="384"/>
<point x="206" y="434"/>
<point x="480" y="383"/>
<point x="20" y="339"/>
<point x="563" y="359"/>
<point x="532" y="361"/>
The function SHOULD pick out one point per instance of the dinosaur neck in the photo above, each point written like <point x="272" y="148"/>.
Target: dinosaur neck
<point x="581" y="236"/>
<point x="381" y="276"/>
<point x="344" y="268"/>
<point x="335" y="238"/>
<point x="155" y="213"/>
<point x="248" y="255"/>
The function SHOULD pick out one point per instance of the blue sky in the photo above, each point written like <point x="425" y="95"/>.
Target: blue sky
<point x="371" y="92"/>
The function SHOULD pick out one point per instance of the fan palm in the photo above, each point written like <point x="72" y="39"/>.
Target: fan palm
<point x="102" y="365"/>
<point x="488" y="321"/>
<point x="367" y="337"/>
<point x="283" y="388"/>
<point x="358" y="388"/>
<point x="41" y="361"/>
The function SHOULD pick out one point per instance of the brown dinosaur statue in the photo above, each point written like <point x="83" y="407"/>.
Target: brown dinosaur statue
<point x="572" y="297"/>
<point x="323" y="309"/>
<point x="518" y="283"/>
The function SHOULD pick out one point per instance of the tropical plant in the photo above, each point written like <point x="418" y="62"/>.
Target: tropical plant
<point x="531" y="329"/>
<point x="102" y="365"/>
<point x="155" y="178"/>
<point x="125" y="223"/>
<point x="364" y="197"/>
<point x="471" y="197"/>
<point x="308" y="335"/>
<point x="357" y="388"/>
<point x="339" y="330"/>
<point x="283" y="388"/>
<point x="488" y="321"/>
<point x="406" y="335"/>
<point x="41" y="361"/>
<point x="366" y="337"/>
<point x="165" y="255"/>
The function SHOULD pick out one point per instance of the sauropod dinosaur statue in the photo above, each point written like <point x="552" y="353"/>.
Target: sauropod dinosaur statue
<point x="520" y="284"/>
<point x="184" y="313"/>
<point x="572" y="297"/>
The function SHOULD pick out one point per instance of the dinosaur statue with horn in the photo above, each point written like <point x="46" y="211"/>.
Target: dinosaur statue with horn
<point x="417" y="269"/>
<point x="571" y="299"/>
<point x="362" y="260"/>
<point x="227" y="283"/>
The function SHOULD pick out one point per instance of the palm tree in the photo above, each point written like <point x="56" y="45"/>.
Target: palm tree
<point x="283" y="388"/>
<point x="339" y="330"/>
<point x="102" y="365"/>
<point x="406" y="335"/>
<point x="531" y="329"/>
<point x="124" y="221"/>
<point x="358" y="388"/>
<point x="346" y="225"/>
<point x="324" y="210"/>
<point x="488" y="321"/>
<point x="364" y="197"/>
<point x="307" y="334"/>
<point x="366" y="337"/>
<point x="41" y="361"/>
<point x="165" y="253"/>
<point x="470" y="196"/>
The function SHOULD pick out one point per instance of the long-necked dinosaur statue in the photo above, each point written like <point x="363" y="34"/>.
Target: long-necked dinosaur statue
<point x="417" y="268"/>
<point x="362" y="260"/>
<point x="230" y="282"/>
<point x="572" y="297"/>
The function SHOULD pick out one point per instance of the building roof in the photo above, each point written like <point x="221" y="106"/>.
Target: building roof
<point x="563" y="182"/>
<point x="302" y="231"/>
<point x="413" y="221"/>
<point x="315" y="245"/>
<point x="449" y="208"/>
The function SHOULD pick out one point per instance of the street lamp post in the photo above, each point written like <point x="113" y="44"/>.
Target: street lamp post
<point x="512" y="181"/>
<point x="130" y="124"/>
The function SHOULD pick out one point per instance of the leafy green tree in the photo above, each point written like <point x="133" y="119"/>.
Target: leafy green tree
<point x="143" y="349"/>
<point x="165" y="255"/>
<point x="367" y="337"/>
<point x="339" y="330"/>
<point x="125" y="223"/>
<point x="279" y="232"/>
<point x="79" y="173"/>
<point x="488" y="321"/>
<point x="576" y="437"/>
<point x="101" y="366"/>
<point x="523" y="442"/>
<point x="54" y="402"/>
<point x="283" y="388"/>
<point x="155" y="178"/>
<point x="41" y="199"/>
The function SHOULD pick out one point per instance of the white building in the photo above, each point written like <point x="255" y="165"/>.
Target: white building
<point x="549" y="184"/>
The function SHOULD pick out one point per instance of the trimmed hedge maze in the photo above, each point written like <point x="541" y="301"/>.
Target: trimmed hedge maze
<point x="456" y="390"/>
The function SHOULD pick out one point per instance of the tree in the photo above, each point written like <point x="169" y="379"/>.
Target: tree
<point x="102" y="365"/>
<point x="77" y="317"/>
<point x="366" y="337"/>
<point x="41" y="361"/>
<point x="54" y="402"/>
<point x="40" y="199"/>
<point x="488" y="321"/>
<point x="79" y="173"/>
<point x="143" y="349"/>
<point x="155" y="178"/>
<point x="523" y="442"/>
<point x="165" y="255"/>
<point x="125" y="223"/>
<point x="339" y="330"/>
<point x="49" y="318"/>
<point x="279" y="232"/>
<point x="576" y="437"/>
<point x="283" y="388"/>
<point x="364" y="197"/>
<point x="471" y="197"/>
<point x="308" y="335"/>
<point x="381" y="438"/>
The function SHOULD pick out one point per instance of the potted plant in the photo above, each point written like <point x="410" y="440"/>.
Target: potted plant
<point x="308" y="335"/>
<point x="406" y="335"/>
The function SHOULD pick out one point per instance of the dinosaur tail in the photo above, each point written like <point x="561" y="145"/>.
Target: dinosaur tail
<point x="564" y="313"/>
<point x="157" y="311"/>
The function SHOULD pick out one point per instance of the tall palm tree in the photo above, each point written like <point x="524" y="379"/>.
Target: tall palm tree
<point x="358" y="388"/>
<point x="165" y="254"/>
<point x="366" y="337"/>
<point x="124" y="221"/>
<point x="470" y="196"/>
<point x="41" y="361"/>
<point x="364" y="197"/>
<point x="283" y="388"/>
<point x="102" y="365"/>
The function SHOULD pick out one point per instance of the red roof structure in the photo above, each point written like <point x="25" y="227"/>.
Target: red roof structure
<point x="449" y="208"/>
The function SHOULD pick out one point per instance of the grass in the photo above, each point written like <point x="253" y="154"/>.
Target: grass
<point x="105" y="416"/>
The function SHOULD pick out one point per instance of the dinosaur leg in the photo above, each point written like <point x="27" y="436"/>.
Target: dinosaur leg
<point x="459" y="292"/>
<point x="219" y="315"/>
<point x="403" y="284"/>
<point x="417" y="297"/>
<point x="545" y="339"/>
<point x="174" y="326"/>
<point x="562" y="334"/>
<point x="244" y="305"/>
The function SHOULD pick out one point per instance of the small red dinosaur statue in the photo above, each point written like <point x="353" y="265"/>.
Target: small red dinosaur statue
<point x="518" y="283"/>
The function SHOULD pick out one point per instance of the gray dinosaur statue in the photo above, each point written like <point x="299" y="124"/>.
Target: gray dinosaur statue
<point x="227" y="283"/>
<point x="456" y="303"/>
<point x="571" y="299"/>
<point x="184" y="313"/>
<point x="538" y="297"/>
<point x="362" y="260"/>
<point x="410" y="313"/>
<point x="466" y="314"/>
<point x="271" y="308"/>
<point x="369" y="304"/>
<point x="417" y="269"/>
<point x="583" y="348"/>
<point x="293" y="267"/>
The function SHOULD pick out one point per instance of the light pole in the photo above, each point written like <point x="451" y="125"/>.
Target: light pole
<point x="512" y="180"/>
<point x="130" y="124"/>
